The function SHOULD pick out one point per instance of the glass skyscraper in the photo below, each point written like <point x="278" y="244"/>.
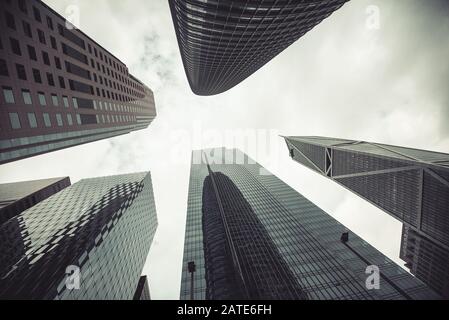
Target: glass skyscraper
<point x="58" y="87"/>
<point x="224" y="42"/>
<point x="19" y="196"/>
<point x="88" y="241"/>
<point x="411" y="185"/>
<point x="251" y="236"/>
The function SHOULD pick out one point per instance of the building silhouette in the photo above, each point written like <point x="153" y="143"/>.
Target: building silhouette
<point x="224" y="42"/>
<point x="89" y="241"/>
<point x="409" y="184"/>
<point x="251" y="236"/>
<point x="142" y="290"/>
<point x="58" y="87"/>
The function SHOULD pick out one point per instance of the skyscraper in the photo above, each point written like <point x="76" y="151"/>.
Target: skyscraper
<point x="58" y="87"/>
<point x="89" y="241"/>
<point x="411" y="185"/>
<point x="17" y="197"/>
<point x="142" y="290"/>
<point x="251" y="236"/>
<point x="224" y="42"/>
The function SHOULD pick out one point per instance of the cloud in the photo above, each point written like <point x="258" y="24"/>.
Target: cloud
<point x="341" y="79"/>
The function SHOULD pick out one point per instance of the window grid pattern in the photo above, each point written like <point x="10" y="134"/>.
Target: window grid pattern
<point x="104" y="226"/>
<point x="49" y="67"/>
<point x="411" y="185"/>
<point x="224" y="42"/>
<point x="306" y="237"/>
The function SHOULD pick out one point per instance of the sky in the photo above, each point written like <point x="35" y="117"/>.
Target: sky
<point x="374" y="70"/>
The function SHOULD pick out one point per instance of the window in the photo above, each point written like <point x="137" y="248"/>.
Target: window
<point x="50" y="80"/>
<point x="27" y="29"/>
<point x="42" y="100"/>
<point x="45" y="58"/>
<point x="54" y="99"/>
<point x="49" y="23"/>
<point x="53" y="43"/>
<point x="8" y="95"/>
<point x="14" y="120"/>
<point x="37" y="76"/>
<point x="47" y="121"/>
<point x="65" y="100"/>
<point x="61" y="82"/>
<point x="78" y="119"/>
<point x="26" y="95"/>
<point x="69" y="119"/>
<point x="75" y="103"/>
<point x="59" y="120"/>
<point x="58" y="63"/>
<point x="10" y="22"/>
<point x="15" y="46"/>
<point x="21" y="73"/>
<point x="37" y="14"/>
<point x="32" y="53"/>
<point x="32" y="120"/>
<point x="41" y="36"/>
<point x="22" y="6"/>
<point x="3" y="68"/>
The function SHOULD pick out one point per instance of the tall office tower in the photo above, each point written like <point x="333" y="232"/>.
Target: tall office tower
<point x="142" y="290"/>
<point x="411" y="185"/>
<point x="17" y="197"/>
<point x="224" y="42"/>
<point x="58" y="87"/>
<point x="88" y="241"/>
<point x="250" y="236"/>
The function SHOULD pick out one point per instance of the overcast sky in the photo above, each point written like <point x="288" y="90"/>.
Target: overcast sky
<point x="350" y="77"/>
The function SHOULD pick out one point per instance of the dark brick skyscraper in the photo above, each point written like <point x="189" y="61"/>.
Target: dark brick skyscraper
<point x="411" y="185"/>
<point x="250" y="236"/>
<point x="58" y="87"/>
<point x="224" y="42"/>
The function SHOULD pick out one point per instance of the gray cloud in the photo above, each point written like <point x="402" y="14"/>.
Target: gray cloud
<point x="341" y="79"/>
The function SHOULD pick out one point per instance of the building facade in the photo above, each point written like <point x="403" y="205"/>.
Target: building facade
<point x="89" y="241"/>
<point x="409" y="184"/>
<point x="19" y="196"/>
<point x="59" y="88"/>
<point x="250" y="236"/>
<point x="224" y="42"/>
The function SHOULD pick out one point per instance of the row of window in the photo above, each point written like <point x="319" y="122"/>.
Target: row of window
<point x="32" y="120"/>
<point x="9" y="97"/>
<point x="71" y="68"/>
<point x="10" y="21"/>
<point x="80" y="119"/>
